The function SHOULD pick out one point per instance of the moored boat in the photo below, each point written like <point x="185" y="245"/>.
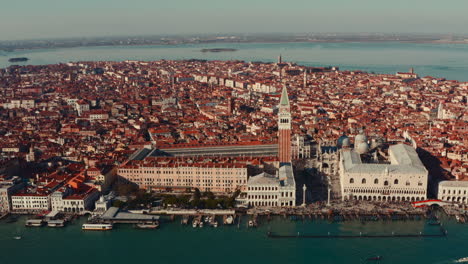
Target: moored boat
<point x="229" y="220"/>
<point x="148" y="225"/>
<point x="35" y="222"/>
<point x="56" y="223"/>
<point x="97" y="227"/>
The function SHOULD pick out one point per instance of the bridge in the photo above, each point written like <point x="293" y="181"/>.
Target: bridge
<point x="429" y="203"/>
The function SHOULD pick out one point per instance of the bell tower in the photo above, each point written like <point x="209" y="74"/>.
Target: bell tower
<point x="284" y="128"/>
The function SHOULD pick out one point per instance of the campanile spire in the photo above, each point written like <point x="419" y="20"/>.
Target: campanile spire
<point x="284" y="127"/>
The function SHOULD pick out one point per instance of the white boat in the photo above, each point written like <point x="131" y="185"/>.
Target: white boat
<point x="34" y="222"/>
<point x="148" y="225"/>
<point x="55" y="223"/>
<point x="97" y="227"/>
<point x="17" y="237"/>
<point x="462" y="260"/>
<point x="195" y="223"/>
<point x="201" y="224"/>
<point x="215" y="224"/>
<point x="229" y="220"/>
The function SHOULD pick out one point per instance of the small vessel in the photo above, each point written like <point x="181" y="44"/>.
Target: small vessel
<point x="97" y="227"/>
<point x="375" y="258"/>
<point x="55" y="223"/>
<point x="462" y="260"/>
<point x="458" y="218"/>
<point x="195" y="223"/>
<point x="215" y="224"/>
<point x="185" y="220"/>
<point x="229" y="220"/>
<point x="34" y="222"/>
<point x="17" y="237"/>
<point x="252" y="223"/>
<point x="200" y="224"/>
<point x="148" y="225"/>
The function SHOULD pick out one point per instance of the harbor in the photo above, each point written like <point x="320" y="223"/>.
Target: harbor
<point x="152" y="218"/>
<point x="171" y="232"/>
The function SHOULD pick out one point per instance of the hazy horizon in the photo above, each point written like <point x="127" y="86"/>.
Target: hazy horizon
<point x="32" y="19"/>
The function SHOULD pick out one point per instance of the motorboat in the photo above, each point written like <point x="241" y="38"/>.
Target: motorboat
<point x="229" y="220"/>
<point x="185" y="220"/>
<point x="462" y="260"/>
<point x="148" y="225"/>
<point x="34" y="222"/>
<point x="97" y="227"/>
<point x="17" y="237"/>
<point x="56" y="223"/>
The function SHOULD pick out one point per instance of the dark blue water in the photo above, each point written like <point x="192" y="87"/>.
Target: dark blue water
<point x="439" y="60"/>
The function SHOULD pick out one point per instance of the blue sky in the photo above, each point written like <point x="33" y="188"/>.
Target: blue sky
<point x="29" y="19"/>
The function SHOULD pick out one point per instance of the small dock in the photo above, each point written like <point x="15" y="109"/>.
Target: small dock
<point x="113" y="215"/>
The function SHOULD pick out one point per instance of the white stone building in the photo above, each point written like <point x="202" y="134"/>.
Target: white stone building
<point x="30" y="202"/>
<point x="265" y="190"/>
<point x="63" y="200"/>
<point x="7" y="188"/>
<point x="404" y="179"/>
<point x="453" y="191"/>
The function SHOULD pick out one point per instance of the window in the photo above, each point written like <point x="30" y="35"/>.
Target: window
<point x="363" y="181"/>
<point x="385" y="183"/>
<point x="407" y="183"/>
<point x="419" y="183"/>
<point x="351" y="180"/>
<point x="376" y="181"/>
<point x="395" y="182"/>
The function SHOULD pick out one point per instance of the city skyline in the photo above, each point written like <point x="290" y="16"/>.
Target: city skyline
<point x="63" y="19"/>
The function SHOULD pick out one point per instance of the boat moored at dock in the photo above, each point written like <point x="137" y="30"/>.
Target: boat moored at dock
<point x="35" y="222"/>
<point x="97" y="227"/>
<point x="56" y="223"/>
<point x="148" y="225"/>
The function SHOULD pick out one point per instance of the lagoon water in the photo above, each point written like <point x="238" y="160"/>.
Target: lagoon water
<point x="439" y="60"/>
<point x="174" y="243"/>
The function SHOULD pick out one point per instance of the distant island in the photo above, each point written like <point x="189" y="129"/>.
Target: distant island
<point x="18" y="59"/>
<point x="217" y="50"/>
